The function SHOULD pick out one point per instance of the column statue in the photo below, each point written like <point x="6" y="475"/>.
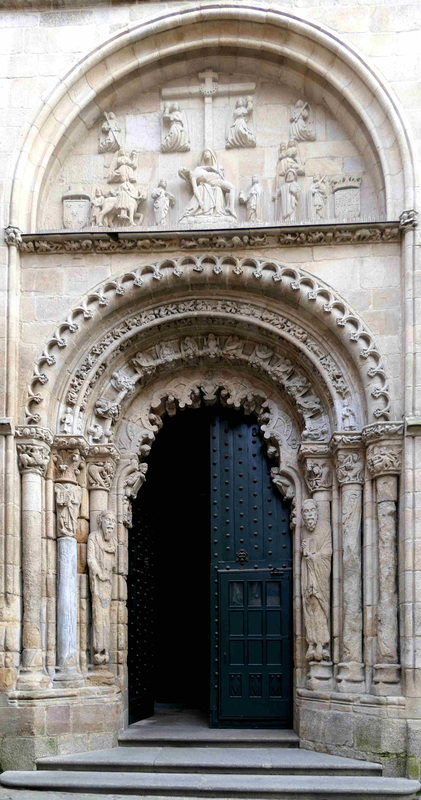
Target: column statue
<point x="101" y="557"/>
<point x="316" y="549"/>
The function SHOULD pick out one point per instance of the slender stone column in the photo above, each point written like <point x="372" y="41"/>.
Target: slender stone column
<point x="317" y="552"/>
<point x="384" y="460"/>
<point x="34" y="454"/>
<point x="68" y="464"/>
<point x="102" y="461"/>
<point x="349" y="462"/>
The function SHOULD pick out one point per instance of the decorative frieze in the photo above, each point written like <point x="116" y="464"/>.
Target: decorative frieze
<point x="150" y="241"/>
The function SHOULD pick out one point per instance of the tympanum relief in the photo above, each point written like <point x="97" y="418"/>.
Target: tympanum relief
<point x="292" y="146"/>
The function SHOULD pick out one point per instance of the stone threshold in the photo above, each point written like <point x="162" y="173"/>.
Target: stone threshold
<point x="125" y="241"/>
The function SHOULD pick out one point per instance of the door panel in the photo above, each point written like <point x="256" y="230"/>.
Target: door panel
<point x="255" y="664"/>
<point x="250" y="580"/>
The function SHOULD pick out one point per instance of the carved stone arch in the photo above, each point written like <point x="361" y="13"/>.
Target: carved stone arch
<point x="292" y="297"/>
<point x="265" y="32"/>
<point x="191" y="388"/>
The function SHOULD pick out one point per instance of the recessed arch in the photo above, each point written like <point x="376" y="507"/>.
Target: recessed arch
<point x="259" y="28"/>
<point x="289" y="303"/>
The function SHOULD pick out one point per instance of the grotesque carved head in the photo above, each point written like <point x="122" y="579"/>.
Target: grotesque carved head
<point x="310" y="514"/>
<point x="107" y="522"/>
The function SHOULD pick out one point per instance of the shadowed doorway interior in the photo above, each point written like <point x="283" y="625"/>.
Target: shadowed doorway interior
<point x="169" y="556"/>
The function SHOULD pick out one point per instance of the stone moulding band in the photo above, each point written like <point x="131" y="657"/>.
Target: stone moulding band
<point x="232" y="239"/>
<point x="287" y="278"/>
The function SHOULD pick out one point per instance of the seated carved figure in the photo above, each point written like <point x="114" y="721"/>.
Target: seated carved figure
<point x="213" y="194"/>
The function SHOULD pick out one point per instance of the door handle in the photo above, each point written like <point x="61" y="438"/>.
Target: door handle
<point x="225" y="658"/>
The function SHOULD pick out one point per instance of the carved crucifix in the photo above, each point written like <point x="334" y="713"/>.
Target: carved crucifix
<point x="208" y="87"/>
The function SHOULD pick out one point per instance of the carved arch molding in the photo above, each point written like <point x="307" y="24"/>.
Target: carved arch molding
<point x="273" y="320"/>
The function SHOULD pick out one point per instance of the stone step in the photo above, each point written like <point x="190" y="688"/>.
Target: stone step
<point x="243" y="787"/>
<point x="185" y="736"/>
<point x="233" y="760"/>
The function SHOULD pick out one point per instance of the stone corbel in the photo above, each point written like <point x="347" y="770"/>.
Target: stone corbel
<point x="350" y="468"/>
<point x="33" y="448"/>
<point x="68" y="460"/>
<point x="384" y="461"/>
<point x="316" y="458"/>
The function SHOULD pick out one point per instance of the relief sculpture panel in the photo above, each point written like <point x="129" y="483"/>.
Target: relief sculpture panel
<point x="201" y="129"/>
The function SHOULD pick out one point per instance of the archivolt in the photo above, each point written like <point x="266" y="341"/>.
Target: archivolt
<point x="191" y="388"/>
<point x="247" y="278"/>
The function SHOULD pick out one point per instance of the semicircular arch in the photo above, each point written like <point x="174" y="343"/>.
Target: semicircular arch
<point x="290" y="308"/>
<point x="258" y="28"/>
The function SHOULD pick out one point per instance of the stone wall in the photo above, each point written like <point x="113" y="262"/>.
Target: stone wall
<point x="377" y="279"/>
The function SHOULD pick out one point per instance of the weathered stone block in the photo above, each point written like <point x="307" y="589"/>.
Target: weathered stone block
<point x="339" y="728"/>
<point x="58" y="719"/>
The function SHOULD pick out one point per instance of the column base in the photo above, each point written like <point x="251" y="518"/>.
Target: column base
<point x="320" y="676"/>
<point x="32" y="678"/>
<point x="66" y="678"/>
<point x="100" y="676"/>
<point x="387" y="680"/>
<point x="350" y="677"/>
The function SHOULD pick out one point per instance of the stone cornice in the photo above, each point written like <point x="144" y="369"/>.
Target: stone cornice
<point x="103" y="241"/>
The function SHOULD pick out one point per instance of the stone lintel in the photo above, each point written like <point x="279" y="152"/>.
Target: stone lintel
<point x="238" y="237"/>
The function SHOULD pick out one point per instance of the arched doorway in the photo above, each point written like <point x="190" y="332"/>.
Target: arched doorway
<point x="210" y="563"/>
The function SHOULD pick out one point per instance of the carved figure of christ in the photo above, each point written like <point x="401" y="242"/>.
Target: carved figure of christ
<point x="208" y="87"/>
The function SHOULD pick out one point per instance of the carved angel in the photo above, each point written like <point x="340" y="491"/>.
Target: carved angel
<point x="239" y="134"/>
<point x="177" y="138"/>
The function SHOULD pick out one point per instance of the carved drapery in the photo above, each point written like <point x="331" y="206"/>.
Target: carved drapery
<point x="34" y="444"/>
<point x="101" y="556"/>
<point x="384" y="461"/>
<point x="102" y="460"/>
<point x="349" y="463"/>
<point x="69" y="461"/>
<point x="316" y="564"/>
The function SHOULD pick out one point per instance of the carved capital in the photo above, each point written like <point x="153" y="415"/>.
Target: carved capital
<point x="102" y="462"/>
<point x="69" y="457"/>
<point x="349" y="466"/>
<point x="384" y="459"/>
<point x="318" y="474"/>
<point x="13" y="236"/>
<point x="382" y="430"/>
<point x="34" y="448"/>
<point x="68" y="500"/>
<point x="408" y="220"/>
<point x="33" y="457"/>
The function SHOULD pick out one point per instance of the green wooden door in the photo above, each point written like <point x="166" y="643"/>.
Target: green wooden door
<point x="251" y="592"/>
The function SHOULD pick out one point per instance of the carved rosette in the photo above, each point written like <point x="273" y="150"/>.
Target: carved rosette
<point x="33" y="448"/>
<point x="102" y="462"/>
